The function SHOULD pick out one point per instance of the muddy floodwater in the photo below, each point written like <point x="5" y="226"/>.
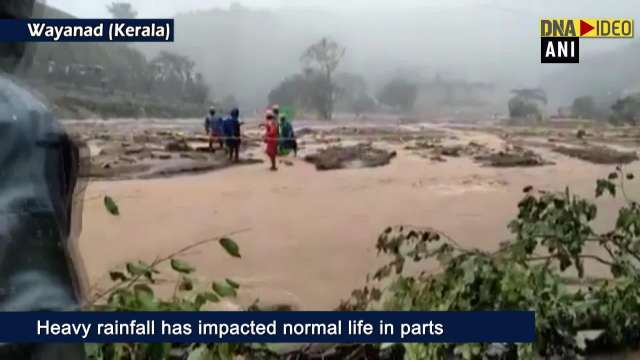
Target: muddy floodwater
<point x="307" y="236"/>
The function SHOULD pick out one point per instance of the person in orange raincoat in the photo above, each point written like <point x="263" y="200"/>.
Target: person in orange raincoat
<point x="271" y="139"/>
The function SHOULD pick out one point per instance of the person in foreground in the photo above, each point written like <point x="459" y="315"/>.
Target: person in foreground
<point x="39" y="269"/>
<point x="37" y="191"/>
<point x="271" y="139"/>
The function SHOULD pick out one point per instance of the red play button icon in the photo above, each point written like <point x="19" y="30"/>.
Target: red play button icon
<point x="585" y="27"/>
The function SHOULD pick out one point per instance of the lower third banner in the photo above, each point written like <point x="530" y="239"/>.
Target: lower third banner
<point x="268" y="327"/>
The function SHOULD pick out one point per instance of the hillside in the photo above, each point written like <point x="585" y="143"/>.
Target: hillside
<point x="606" y="76"/>
<point x="110" y="56"/>
<point x="88" y="80"/>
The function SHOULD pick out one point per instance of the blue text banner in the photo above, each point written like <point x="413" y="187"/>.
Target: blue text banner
<point x="268" y="327"/>
<point x="87" y="30"/>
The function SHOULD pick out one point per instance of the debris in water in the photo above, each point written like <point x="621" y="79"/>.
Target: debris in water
<point x="357" y="156"/>
<point x="513" y="157"/>
<point x="598" y="154"/>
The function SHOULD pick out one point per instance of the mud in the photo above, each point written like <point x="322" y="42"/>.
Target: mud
<point x="132" y="150"/>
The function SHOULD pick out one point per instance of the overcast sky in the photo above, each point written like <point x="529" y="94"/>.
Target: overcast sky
<point x="168" y="8"/>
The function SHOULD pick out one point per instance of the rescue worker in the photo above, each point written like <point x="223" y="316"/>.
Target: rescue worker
<point x="271" y="139"/>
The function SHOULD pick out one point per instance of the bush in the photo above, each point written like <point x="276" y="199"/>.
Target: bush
<point x="522" y="108"/>
<point x="626" y="111"/>
<point x="585" y="107"/>
<point x="574" y="315"/>
<point x="399" y="94"/>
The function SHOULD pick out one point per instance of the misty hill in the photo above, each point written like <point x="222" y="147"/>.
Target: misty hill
<point x="246" y="53"/>
<point x="108" y="55"/>
<point x="605" y="76"/>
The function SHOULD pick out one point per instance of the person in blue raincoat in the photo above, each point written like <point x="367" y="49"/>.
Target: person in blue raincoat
<point x="213" y="128"/>
<point x="232" y="134"/>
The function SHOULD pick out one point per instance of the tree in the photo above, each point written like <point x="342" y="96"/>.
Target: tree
<point x="228" y="103"/>
<point x="363" y="103"/>
<point x="525" y="102"/>
<point x="626" y="111"/>
<point x="172" y="64"/>
<point x="320" y="61"/>
<point x="531" y="94"/>
<point x="198" y="90"/>
<point x="399" y="94"/>
<point x="585" y="107"/>
<point x="291" y="92"/>
<point x="122" y="10"/>
<point x="352" y="94"/>
<point x="173" y="73"/>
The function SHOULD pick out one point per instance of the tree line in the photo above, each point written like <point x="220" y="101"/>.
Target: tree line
<point x="320" y="88"/>
<point x="528" y="103"/>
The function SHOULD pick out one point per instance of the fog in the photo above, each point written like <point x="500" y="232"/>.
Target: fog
<point x="246" y="50"/>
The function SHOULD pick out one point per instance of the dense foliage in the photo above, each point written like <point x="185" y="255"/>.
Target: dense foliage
<point x="525" y="103"/>
<point x="626" y="111"/>
<point x="399" y="93"/>
<point x="585" y="107"/>
<point x="314" y="88"/>
<point x="542" y="269"/>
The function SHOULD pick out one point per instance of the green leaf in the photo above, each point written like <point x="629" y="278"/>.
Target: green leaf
<point x="223" y="289"/>
<point x="111" y="206"/>
<point x="602" y="185"/>
<point x="144" y="295"/>
<point x="232" y="283"/>
<point x="205" y="297"/>
<point x="186" y="284"/>
<point x="138" y="268"/>
<point x="224" y="352"/>
<point x="182" y="266"/>
<point x="118" y="276"/>
<point x="157" y="351"/>
<point x="93" y="351"/>
<point x="200" y="353"/>
<point x="230" y="247"/>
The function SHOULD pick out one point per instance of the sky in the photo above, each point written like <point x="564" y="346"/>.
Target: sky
<point x="168" y="8"/>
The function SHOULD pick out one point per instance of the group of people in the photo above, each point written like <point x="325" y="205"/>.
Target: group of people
<point x="225" y="131"/>
<point x="279" y="136"/>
